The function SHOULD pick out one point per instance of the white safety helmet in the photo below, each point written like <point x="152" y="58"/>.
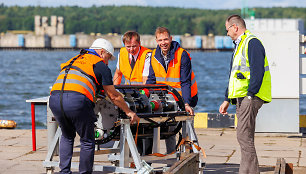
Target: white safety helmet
<point x="103" y="44"/>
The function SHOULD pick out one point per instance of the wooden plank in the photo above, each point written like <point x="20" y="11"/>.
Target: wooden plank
<point x="189" y="164"/>
<point x="289" y="168"/>
<point x="156" y="158"/>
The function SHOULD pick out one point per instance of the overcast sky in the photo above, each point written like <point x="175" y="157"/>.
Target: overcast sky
<point x="204" y="4"/>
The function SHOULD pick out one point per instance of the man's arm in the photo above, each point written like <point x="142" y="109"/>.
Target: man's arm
<point x="185" y="77"/>
<point x="117" y="77"/>
<point x="117" y="99"/>
<point x="256" y="55"/>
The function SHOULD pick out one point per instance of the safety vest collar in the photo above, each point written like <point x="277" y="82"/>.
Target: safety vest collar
<point x="93" y="52"/>
<point x="245" y="34"/>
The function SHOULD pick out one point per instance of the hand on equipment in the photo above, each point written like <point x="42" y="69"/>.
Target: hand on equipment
<point x="189" y="109"/>
<point x="133" y="117"/>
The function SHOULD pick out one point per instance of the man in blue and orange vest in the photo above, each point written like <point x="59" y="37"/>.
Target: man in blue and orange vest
<point x="171" y="65"/>
<point x="72" y="101"/>
<point x="133" y="61"/>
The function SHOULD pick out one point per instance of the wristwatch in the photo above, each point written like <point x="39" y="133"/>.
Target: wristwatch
<point x="249" y="97"/>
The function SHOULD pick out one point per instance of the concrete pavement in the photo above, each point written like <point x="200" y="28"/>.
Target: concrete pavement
<point x="221" y="147"/>
<point x="223" y="151"/>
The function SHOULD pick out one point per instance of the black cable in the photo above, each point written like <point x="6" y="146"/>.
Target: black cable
<point x="67" y="69"/>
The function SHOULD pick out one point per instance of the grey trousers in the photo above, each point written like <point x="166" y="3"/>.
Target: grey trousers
<point x="246" y="111"/>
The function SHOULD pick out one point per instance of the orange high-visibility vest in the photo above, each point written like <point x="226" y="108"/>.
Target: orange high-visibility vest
<point x="172" y="76"/>
<point x="81" y="77"/>
<point x="133" y="76"/>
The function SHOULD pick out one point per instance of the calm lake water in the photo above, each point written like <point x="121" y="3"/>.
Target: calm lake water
<point x="30" y="74"/>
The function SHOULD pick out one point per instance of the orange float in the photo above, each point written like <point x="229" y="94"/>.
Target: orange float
<point x="8" y="124"/>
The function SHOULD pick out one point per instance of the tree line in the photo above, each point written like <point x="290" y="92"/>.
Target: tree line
<point x="112" y="19"/>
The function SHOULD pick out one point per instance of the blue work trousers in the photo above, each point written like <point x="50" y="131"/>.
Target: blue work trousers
<point x="80" y="118"/>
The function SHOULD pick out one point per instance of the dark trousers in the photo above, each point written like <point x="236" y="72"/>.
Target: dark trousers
<point x="144" y="145"/>
<point x="171" y="141"/>
<point x="80" y="118"/>
<point x="246" y="112"/>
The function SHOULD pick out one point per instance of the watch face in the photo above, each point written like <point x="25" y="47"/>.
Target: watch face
<point x="249" y="97"/>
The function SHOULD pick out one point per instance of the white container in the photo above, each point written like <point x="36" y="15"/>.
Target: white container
<point x="275" y="25"/>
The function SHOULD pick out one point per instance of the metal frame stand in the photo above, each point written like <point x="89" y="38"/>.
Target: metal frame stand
<point x="188" y="129"/>
<point x="127" y="150"/>
<point x="189" y="133"/>
<point x="127" y="145"/>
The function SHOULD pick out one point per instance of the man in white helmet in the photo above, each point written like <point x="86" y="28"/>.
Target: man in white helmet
<point x="72" y="101"/>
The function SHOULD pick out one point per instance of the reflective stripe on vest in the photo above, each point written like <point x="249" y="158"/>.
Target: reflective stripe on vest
<point x="169" y="79"/>
<point x="73" y="81"/>
<point x="133" y="83"/>
<point x="133" y="76"/>
<point x="238" y="87"/>
<point x="75" y="72"/>
<point x="245" y="69"/>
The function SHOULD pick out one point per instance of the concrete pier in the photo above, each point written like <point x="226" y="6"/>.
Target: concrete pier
<point x="79" y="40"/>
<point x="220" y="145"/>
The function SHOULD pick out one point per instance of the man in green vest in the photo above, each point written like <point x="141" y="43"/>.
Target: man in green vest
<point x="249" y="88"/>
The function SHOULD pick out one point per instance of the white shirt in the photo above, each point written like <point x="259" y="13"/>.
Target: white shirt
<point x="146" y="65"/>
<point x="237" y="41"/>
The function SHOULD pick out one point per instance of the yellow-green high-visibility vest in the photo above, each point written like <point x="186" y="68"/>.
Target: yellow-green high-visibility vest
<point x="238" y="87"/>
